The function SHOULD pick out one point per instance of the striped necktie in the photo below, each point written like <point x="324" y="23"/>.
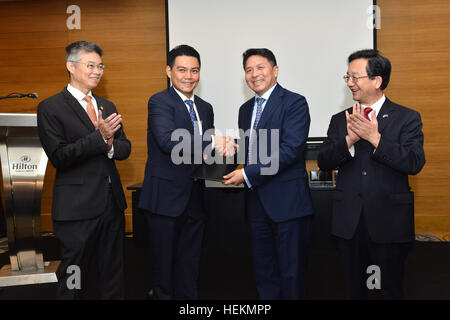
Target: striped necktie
<point x="252" y="150"/>
<point x="190" y="103"/>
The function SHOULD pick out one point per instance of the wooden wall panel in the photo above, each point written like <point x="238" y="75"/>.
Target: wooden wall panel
<point x="415" y="35"/>
<point x="132" y="34"/>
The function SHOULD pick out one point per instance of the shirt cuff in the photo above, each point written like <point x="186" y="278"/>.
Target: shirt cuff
<point x="246" y="179"/>
<point x="352" y="150"/>
<point x="110" y="153"/>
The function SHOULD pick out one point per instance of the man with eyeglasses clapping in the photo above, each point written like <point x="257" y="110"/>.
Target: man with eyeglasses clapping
<point x="375" y="145"/>
<point x="82" y="135"/>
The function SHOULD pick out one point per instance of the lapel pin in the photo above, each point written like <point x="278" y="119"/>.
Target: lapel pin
<point x="101" y="108"/>
<point x="385" y="115"/>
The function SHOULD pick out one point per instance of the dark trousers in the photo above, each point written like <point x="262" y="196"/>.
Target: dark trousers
<point x="102" y="237"/>
<point x="175" y="249"/>
<point x="360" y="252"/>
<point x="280" y="252"/>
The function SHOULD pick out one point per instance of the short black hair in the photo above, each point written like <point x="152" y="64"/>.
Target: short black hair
<point x="263" y="52"/>
<point x="182" y="50"/>
<point x="377" y="65"/>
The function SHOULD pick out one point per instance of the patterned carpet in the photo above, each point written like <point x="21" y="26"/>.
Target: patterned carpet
<point x="432" y="237"/>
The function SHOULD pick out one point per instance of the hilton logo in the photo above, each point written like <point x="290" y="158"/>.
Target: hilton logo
<point x="25" y="159"/>
<point x="24" y="164"/>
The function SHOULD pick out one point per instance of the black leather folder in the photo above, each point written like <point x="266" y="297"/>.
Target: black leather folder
<point x="214" y="172"/>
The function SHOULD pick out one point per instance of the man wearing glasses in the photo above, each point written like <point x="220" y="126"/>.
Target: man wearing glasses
<point x="375" y="145"/>
<point x="82" y="135"/>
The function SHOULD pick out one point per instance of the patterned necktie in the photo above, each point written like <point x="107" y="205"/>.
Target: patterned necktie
<point x="252" y="144"/>
<point x="190" y="103"/>
<point x="259" y="103"/>
<point x="90" y="110"/>
<point x="367" y="110"/>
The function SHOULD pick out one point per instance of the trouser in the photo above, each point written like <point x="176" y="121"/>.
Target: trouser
<point x="175" y="249"/>
<point x="360" y="252"/>
<point x="280" y="252"/>
<point x="102" y="237"/>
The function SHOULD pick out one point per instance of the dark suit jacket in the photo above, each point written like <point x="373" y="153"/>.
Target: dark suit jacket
<point x="285" y="195"/>
<point x="167" y="185"/>
<point x="376" y="182"/>
<point x="79" y="155"/>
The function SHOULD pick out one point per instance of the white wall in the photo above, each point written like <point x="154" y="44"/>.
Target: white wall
<point x="311" y="41"/>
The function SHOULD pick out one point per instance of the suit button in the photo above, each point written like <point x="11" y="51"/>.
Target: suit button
<point x="364" y="173"/>
<point x="360" y="195"/>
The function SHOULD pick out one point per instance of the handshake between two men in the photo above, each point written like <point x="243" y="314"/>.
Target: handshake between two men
<point x="225" y="146"/>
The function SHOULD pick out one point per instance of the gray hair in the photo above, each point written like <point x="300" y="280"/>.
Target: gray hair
<point x="73" y="50"/>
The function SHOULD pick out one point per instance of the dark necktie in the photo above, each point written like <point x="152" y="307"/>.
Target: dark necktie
<point x="252" y="144"/>
<point x="190" y="103"/>
<point x="367" y="110"/>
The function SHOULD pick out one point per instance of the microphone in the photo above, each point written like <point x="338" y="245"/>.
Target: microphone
<point x="32" y="95"/>
<point x="21" y="95"/>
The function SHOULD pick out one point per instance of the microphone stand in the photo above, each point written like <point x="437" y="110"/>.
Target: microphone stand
<point x="15" y="95"/>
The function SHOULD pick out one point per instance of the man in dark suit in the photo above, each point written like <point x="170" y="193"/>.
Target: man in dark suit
<point x="375" y="146"/>
<point x="278" y="202"/>
<point x="172" y="199"/>
<point x="82" y="135"/>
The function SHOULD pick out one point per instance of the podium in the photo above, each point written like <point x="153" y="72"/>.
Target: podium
<point x="23" y="164"/>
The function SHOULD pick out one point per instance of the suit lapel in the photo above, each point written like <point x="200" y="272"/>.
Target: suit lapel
<point x="386" y="115"/>
<point x="244" y="123"/>
<point x="201" y="109"/>
<point x="247" y="114"/>
<point x="101" y="106"/>
<point x="181" y="109"/>
<point x="271" y="105"/>
<point x="78" y="109"/>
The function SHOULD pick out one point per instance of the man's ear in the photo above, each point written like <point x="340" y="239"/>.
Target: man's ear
<point x="275" y="70"/>
<point x="378" y="81"/>
<point x="70" y="66"/>
<point x="169" y="71"/>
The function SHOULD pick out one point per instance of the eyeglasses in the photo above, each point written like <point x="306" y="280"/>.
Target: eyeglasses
<point x="353" y="78"/>
<point x="92" y="66"/>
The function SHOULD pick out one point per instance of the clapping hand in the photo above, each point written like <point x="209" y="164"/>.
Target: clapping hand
<point x="365" y="129"/>
<point x="109" y="126"/>
<point x="352" y="137"/>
